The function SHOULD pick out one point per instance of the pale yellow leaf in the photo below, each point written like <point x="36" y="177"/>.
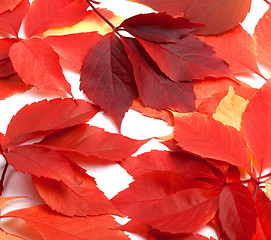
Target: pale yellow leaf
<point x="230" y="109"/>
<point x="268" y="188"/>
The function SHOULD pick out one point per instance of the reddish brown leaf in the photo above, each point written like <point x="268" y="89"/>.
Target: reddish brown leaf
<point x="8" y="5"/>
<point x="11" y="85"/>
<point x="40" y="161"/>
<point x="158" y="27"/>
<point x="236" y="47"/>
<point x="209" y="138"/>
<point x="10" y="21"/>
<point x="156" y="235"/>
<point x="155" y="89"/>
<point x="44" y="14"/>
<point x="107" y="77"/>
<point x="255" y="127"/>
<point x="74" y="197"/>
<point x="164" y="201"/>
<point x="93" y="141"/>
<point x="73" y="47"/>
<point x="193" y="58"/>
<point x="45" y="117"/>
<point x="261" y="38"/>
<point x="44" y="71"/>
<point x="52" y="225"/>
<point x="237" y="212"/>
<point x="218" y="16"/>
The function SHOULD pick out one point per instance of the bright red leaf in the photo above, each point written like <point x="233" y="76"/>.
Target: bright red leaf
<point x="74" y="197"/>
<point x="195" y="59"/>
<point x="5" y="45"/>
<point x="73" y="47"/>
<point x="107" y="77"/>
<point x="44" y="14"/>
<point x="237" y="211"/>
<point x="209" y="138"/>
<point x="8" y="5"/>
<point x="156" y="235"/>
<point x="10" y="21"/>
<point x="155" y="89"/>
<point x="94" y="141"/>
<point x="218" y="16"/>
<point x="6" y="68"/>
<point x="51" y="225"/>
<point x="44" y="71"/>
<point x="45" y="117"/>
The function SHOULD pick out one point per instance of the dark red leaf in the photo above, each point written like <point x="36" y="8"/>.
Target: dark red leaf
<point x="44" y="14"/>
<point x="73" y="47"/>
<point x="107" y="77"/>
<point x="237" y="212"/>
<point x="158" y="27"/>
<point x="155" y="89"/>
<point x="94" y="141"/>
<point x="52" y="225"/>
<point x="8" y="5"/>
<point x="156" y="235"/>
<point x="187" y="59"/>
<point x="10" y="21"/>
<point x="5" y="45"/>
<point x="166" y="202"/>
<point x="6" y="68"/>
<point x="74" y="197"/>
<point x="209" y="138"/>
<point x="45" y="117"/>
<point x="44" y="71"/>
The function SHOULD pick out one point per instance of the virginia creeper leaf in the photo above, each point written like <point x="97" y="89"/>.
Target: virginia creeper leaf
<point x="40" y="161"/>
<point x="6" y="68"/>
<point x="229" y="12"/>
<point x="73" y="47"/>
<point x="94" y="141"/>
<point x="5" y="45"/>
<point x="10" y="21"/>
<point x="8" y="5"/>
<point x="51" y="225"/>
<point x="255" y="127"/>
<point x="158" y="27"/>
<point x="156" y="235"/>
<point x="237" y="211"/>
<point x="155" y="89"/>
<point x="163" y="201"/>
<point x="38" y="64"/>
<point x="45" y="117"/>
<point x="187" y="59"/>
<point x="74" y="197"/>
<point x="209" y="138"/>
<point x="44" y="14"/>
<point x="107" y="77"/>
<point x="236" y="47"/>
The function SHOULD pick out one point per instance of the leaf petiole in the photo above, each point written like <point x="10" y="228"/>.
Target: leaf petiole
<point x="267" y="2"/>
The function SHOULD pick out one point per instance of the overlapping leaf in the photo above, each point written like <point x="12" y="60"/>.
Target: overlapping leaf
<point x="8" y="5"/>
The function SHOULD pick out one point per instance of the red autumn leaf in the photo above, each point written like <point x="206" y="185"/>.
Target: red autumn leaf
<point x="218" y="16"/>
<point x="255" y="127"/>
<point x="6" y="68"/>
<point x="11" y="85"/>
<point x="93" y="141"/>
<point x="193" y="58"/>
<point x="52" y="225"/>
<point x="209" y="138"/>
<point x="74" y="197"/>
<point x="8" y="5"/>
<point x="73" y="47"/>
<point x="236" y="47"/>
<point x="155" y="89"/>
<point x="261" y="38"/>
<point x="237" y="212"/>
<point x="10" y="21"/>
<point x="40" y="161"/>
<point x="107" y="77"/>
<point x="5" y="45"/>
<point x="158" y="27"/>
<point x="165" y="201"/>
<point x="44" y="14"/>
<point x="44" y="71"/>
<point x="156" y="235"/>
<point x="45" y="117"/>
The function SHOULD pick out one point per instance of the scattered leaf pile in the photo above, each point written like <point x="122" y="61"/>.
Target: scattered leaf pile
<point x="180" y="65"/>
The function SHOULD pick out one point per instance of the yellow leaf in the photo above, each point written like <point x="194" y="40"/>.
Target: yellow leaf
<point x="268" y="188"/>
<point x="230" y="109"/>
<point x="91" y="23"/>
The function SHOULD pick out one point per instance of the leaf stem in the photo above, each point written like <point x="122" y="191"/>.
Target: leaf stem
<point x="267" y="2"/>
<point x="100" y="15"/>
<point x="3" y="176"/>
<point x="264" y="176"/>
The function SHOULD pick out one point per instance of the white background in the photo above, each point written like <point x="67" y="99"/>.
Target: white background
<point x="113" y="178"/>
